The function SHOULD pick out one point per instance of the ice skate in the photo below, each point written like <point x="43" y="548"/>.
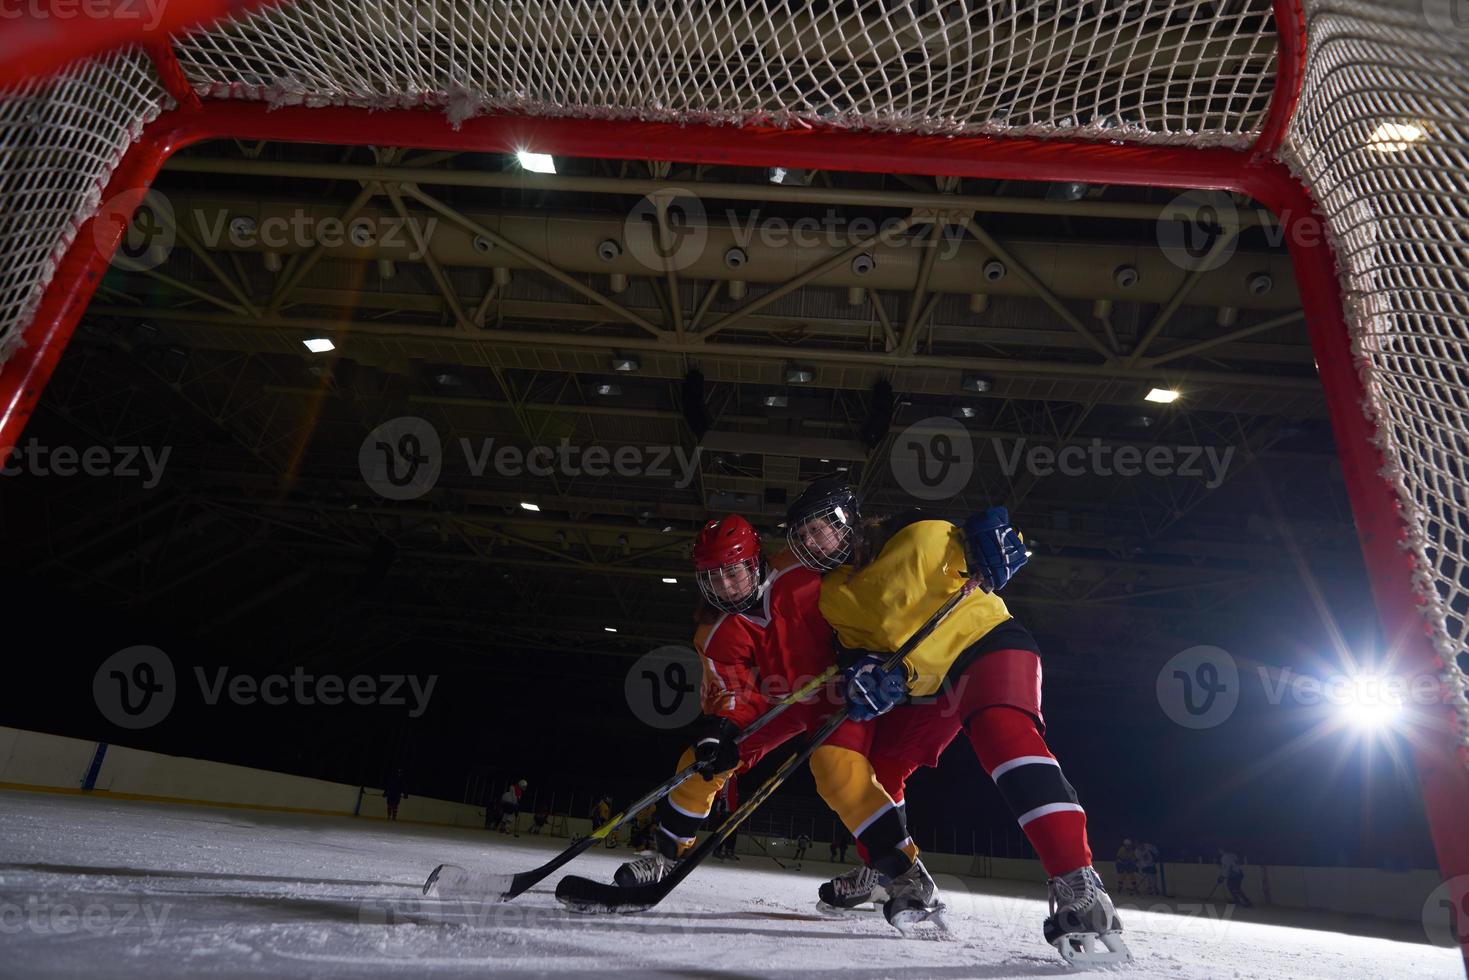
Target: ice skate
<point x="645" y="870"/>
<point x="1082" y="917"/>
<point x="859" y="890"/>
<point x="913" y="907"/>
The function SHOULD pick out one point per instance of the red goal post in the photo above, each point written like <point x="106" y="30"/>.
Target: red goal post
<point x="1342" y="116"/>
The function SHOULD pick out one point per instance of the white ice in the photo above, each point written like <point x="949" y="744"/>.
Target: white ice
<point x="94" y="887"/>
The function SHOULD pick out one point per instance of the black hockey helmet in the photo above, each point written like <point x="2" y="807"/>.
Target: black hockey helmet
<point x="822" y="524"/>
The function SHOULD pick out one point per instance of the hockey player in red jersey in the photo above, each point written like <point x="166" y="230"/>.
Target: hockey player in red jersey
<point x="760" y="635"/>
<point x="978" y="671"/>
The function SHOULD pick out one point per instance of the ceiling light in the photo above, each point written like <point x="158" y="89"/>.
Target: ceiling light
<point x="841" y="469"/>
<point x="667" y="528"/>
<point x="1162" y="396"/>
<point x="966" y="412"/>
<point x="448" y="380"/>
<point x="799" y="375"/>
<point x="536" y="163"/>
<point x="319" y="345"/>
<point x="826" y="461"/>
<point x="609" y="389"/>
<point x="625" y="362"/>
<point x="775" y="401"/>
<point x="670" y="581"/>
<point x="977" y="383"/>
<point x="609" y="629"/>
<point x="533" y="508"/>
<point x="1394" y="137"/>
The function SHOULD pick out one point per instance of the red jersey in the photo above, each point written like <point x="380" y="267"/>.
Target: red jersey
<point x="754" y="657"/>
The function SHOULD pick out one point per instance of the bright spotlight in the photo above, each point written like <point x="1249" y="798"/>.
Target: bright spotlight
<point x="1367" y="703"/>
<point x="538" y="163"/>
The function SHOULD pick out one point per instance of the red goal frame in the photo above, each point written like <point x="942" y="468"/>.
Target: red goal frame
<point x="1442" y="765"/>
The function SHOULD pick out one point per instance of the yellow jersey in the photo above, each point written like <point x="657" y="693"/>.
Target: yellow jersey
<point x="881" y="605"/>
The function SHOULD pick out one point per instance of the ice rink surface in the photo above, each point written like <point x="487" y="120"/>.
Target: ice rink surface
<point x="103" y="888"/>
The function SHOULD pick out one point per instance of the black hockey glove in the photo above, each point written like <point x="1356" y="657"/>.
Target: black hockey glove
<point x="715" y="749"/>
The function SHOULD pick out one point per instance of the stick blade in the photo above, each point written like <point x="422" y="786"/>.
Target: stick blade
<point x="596" y="897"/>
<point x="451" y="881"/>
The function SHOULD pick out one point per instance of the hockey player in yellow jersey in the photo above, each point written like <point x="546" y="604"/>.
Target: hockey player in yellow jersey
<point x="977" y="671"/>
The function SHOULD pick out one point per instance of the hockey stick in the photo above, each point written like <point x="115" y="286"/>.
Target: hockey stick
<point x="584" y="895"/>
<point x="503" y="888"/>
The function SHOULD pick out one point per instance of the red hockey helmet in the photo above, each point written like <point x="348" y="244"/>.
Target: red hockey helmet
<point x="727" y="565"/>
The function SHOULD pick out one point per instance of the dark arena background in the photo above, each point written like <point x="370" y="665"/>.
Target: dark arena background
<point x="368" y="372"/>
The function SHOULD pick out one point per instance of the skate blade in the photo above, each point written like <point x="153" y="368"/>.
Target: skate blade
<point x="848" y="912"/>
<point x="598" y="908"/>
<point x="920" y="923"/>
<point x="1080" y="950"/>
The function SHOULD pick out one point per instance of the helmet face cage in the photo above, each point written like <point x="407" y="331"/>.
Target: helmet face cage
<point x="716" y="583"/>
<point x="823" y="540"/>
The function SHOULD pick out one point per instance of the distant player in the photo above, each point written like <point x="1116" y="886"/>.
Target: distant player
<point x="1127" y="868"/>
<point x="393" y="793"/>
<point x="1233" y="878"/>
<point x="802" y="842"/>
<point x="760" y="635"/>
<point x="978" y="671"/>
<point x="510" y="808"/>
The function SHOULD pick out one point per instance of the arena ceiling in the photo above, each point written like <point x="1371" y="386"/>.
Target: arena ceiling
<point x="497" y="303"/>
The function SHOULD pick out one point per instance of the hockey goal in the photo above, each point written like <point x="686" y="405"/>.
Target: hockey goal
<point x="1350" y="113"/>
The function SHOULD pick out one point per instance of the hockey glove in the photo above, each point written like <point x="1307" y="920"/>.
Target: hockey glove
<point x="871" y="690"/>
<point x="715" y="749"/>
<point x="993" y="548"/>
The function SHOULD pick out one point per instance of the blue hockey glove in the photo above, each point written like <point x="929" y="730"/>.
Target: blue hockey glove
<point x="992" y="547"/>
<point x="871" y="690"/>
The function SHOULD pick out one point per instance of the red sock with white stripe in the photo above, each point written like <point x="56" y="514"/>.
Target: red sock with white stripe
<point x="1029" y="777"/>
